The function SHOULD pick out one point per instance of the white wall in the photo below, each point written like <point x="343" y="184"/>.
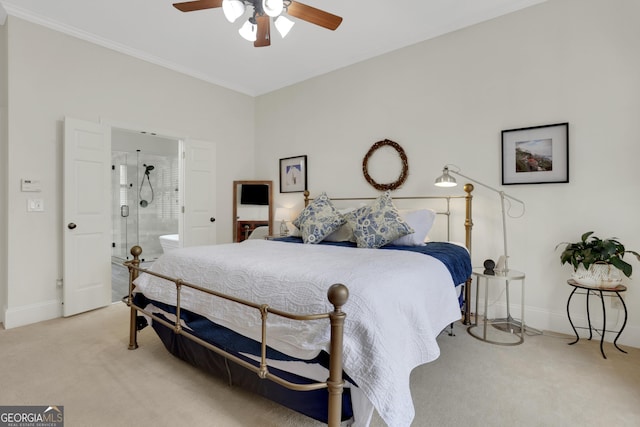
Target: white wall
<point x="3" y="168"/>
<point x="52" y="75"/>
<point x="444" y="100"/>
<point x="447" y="100"/>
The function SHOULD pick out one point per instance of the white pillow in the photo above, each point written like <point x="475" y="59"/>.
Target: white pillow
<point x="345" y="232"/>
<point x="421" y="220"/>
<point x="293" y="230"/>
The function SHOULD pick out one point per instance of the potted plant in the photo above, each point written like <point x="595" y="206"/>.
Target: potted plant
<point x="592" y="259"/>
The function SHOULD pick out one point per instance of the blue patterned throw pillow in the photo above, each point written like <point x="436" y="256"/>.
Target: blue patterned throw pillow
<point x="378" y="224"/>
<point x="318" y="220"/>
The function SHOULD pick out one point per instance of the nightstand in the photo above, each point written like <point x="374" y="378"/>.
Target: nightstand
<point x="506" y="327"/>
<point x="275" y="237"/>
<point x="245" y="228"/>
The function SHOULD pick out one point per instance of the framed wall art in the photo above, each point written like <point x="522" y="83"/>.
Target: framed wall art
<point x="536" y="155"/>
<point x="293" y="174"/>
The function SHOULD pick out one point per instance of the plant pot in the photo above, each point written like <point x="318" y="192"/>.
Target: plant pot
<point x="599" y="275"/>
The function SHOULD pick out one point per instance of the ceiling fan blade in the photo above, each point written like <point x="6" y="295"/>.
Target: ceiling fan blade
<point x="190" y="6"/>
<point x="263" y="36"/>
<point x="313" y="15"/>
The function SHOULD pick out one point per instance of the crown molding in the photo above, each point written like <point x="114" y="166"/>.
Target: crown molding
<point x="29" y="16"/>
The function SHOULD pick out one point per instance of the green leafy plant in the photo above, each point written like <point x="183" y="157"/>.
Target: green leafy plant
<point x="591" y="249"/>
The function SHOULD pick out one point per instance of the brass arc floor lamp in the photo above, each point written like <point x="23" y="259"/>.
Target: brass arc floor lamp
<point x="446" y="180"/>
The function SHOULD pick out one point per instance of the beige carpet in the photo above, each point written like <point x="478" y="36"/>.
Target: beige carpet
<point x="83" y="363"/>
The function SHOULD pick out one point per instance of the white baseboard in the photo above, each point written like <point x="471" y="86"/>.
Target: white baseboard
<point x="33" y="313"/>
<point x="559" y="322"/>
<point x="545" y="320"/>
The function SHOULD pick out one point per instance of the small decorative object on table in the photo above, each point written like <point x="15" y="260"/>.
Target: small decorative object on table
<point x="597" y="262"/>
<point x="284" y="230"/>
<point x="501" y="266"/>
<point x="489" y="265"/>
<point x="282" y="215"/>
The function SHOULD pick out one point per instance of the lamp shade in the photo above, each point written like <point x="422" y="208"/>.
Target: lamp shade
<point x="248" y="31"/>
<point x="283" y="25"/>
<point x="272" y="8"/>
<point x="282" y="214"/>
<point x="232" y="9"/>
<point x="446" y="180"/>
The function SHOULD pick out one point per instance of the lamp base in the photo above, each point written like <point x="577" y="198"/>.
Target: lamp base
<point x="512" y="326"/>
<point x="284" y="230"/>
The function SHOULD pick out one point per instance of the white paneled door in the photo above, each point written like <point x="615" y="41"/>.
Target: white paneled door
<point x="199" y="193"/>
<point x="87" y="212"/>
<point x="86" y="216"/>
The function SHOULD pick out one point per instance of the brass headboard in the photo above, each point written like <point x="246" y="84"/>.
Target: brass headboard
<point x="468" y="221"/>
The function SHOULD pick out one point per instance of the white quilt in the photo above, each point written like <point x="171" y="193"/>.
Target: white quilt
<point x="399" y="301"/>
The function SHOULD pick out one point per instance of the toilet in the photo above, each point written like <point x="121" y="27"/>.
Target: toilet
<point x="169" y="242"/>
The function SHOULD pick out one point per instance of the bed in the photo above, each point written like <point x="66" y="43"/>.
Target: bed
<point x="259" y="307"/>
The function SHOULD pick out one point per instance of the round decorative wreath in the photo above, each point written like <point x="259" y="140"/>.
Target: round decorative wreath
<point x="405" y="166"/>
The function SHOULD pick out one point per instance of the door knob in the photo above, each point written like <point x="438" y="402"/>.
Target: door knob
<point x="212" y="219"/>
<point x="71" y="226"/>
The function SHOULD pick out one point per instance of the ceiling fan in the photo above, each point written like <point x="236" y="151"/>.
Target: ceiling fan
<point x="258" y="28"/>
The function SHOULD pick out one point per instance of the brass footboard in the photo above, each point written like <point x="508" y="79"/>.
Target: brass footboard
<point x="337" y="295"/>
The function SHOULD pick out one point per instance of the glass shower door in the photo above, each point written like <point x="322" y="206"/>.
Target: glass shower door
<point x="123" y="202"/>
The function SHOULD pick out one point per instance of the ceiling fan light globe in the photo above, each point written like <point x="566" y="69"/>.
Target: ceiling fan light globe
<point x="232" y="9"/>
<point x="272" y="8"/>
<point x="248" y="31"/>
<point x="283" y="25"/>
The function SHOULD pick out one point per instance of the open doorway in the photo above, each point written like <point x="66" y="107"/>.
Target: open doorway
<point x="145" y="198"/>
<point x="88" y="238"/>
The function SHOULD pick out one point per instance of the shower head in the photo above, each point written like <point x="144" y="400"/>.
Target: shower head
<point x="147" y="170"/>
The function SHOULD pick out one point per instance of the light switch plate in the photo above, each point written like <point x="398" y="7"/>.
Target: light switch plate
<point x="35" y="205"/>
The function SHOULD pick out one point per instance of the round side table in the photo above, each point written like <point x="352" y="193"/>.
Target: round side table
<point x="499" y="277"/>
<point x="600" y="292"/>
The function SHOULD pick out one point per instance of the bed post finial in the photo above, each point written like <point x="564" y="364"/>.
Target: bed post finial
<point x="306" y="198"/>
<point x="338" y="295"/>
<point x="136" y="251"/>
<point x="468" y="187"/>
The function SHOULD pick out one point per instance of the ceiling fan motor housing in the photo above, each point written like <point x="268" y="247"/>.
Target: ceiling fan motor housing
<point x="257" y="27"/>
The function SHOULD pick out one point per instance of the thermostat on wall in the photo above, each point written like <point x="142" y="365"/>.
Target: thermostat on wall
<point x="30" y="185"/>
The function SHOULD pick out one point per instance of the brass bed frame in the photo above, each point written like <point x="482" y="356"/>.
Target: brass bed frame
<point x="337" y="294"/>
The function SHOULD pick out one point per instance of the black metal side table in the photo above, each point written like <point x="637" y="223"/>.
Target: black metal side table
<point x="600" y="292"/>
